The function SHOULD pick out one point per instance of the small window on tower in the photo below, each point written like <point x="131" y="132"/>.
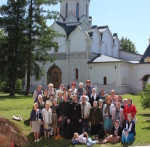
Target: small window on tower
<point x="86" y="10"/>
<point x="77" y="73"/>
<point x="77" y="10"/>
<point x="66" y="9"/>
<point x="105" y="81"/>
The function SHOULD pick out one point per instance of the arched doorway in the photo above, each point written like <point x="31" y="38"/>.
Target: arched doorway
<point x="54" y="75"/>
<point x="145" y="79"/>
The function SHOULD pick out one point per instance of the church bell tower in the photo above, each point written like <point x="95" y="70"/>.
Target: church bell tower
<point x="74" y="11"/>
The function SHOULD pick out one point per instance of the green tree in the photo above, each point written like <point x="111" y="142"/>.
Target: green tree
<point x="40" y="37"/>
<point x="127" y="45"/>
<point x="12" y="21"/>
<point x="145" y="97"/>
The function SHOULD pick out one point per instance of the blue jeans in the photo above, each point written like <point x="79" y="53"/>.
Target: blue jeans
<point x="127" y="139"/>
<point x="90" y="142"/>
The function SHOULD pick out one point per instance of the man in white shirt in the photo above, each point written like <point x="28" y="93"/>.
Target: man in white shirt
<point x="85" y="110"/>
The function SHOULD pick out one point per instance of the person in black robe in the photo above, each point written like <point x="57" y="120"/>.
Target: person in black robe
<point x="74" y="117"/>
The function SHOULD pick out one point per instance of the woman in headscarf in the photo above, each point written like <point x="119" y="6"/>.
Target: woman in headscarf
<point x="95" y="119"/>
<point x="41" y="104"/>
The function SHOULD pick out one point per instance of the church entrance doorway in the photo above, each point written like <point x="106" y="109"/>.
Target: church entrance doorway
<point x="54" y="75"/>
<point x="145" y="79"/>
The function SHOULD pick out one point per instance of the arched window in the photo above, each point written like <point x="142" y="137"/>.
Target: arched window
<point x="77" y="10"/>
<point x="105" y="81"/>
<point x="86" y="10"/>
<point x="77" y="73"/>
<point x="66" y="9"/>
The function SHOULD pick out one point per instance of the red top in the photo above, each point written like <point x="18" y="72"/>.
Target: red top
<point x="129" y="110"/>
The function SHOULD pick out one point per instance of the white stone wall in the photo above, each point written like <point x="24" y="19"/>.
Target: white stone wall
<point x="108" y="43"/>
<point x="139" y="71"/>
<point x="96" y="39"/>
<point x="60" y="40"/>
<point x="116" y="47"/>
<point x="78" y="40"/>
<point x="97" y="72"/>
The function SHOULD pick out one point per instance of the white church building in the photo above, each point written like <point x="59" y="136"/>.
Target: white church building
<point x="92" y="52"/>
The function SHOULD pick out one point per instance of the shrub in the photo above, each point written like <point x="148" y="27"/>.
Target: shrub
<point x="3" y="86"/>
<point x="18" y="85"/>
<point x="145" y="97"/>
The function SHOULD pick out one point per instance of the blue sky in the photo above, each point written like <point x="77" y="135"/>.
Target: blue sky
<point x="128" y="18"/>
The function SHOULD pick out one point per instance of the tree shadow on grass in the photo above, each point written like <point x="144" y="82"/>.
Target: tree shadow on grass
<point x="3" y="97"/>
<point x="126" y="144"/>
<point x="51" y="142"/>
<point x="145" y="115"/>
<point x="146" y="128"/>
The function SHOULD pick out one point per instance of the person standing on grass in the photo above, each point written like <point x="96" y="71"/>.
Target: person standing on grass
<point x="129" y="109"/>
<point x="74" y="117"/>
<point x="88" y="88"/>
<point x="101" y="132"/>
<point x="64" y="112"/>
<point x="37" y="92"/>
<point x="80" y="91"/>
<point x="45" y="96"/>
<point x="41" y="104"/>
<point x="60" y="97"/>
<point x="107" y="115"/>
<point x="73" y="88"/>
<point x="47" y="118"/>
<point x="94" y="96"/>
<point x="55" y="120"/>
<point x="102" y="95"/>
<point x="84" y="93"/>
<point x="69" y="95"/>
<point x="117" y="114"/>
<point x="95" y="119"/>
<point x="36" y="119"/>
<point x="85" y="110"/>
<point x="51" y="90"/>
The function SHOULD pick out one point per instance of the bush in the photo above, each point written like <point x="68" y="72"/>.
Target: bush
<point x="3" y="86"/>
<point x="18" y="86"/>
<point x="145" y="97"/>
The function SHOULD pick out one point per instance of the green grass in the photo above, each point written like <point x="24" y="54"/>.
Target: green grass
<point x="21" y="106"/>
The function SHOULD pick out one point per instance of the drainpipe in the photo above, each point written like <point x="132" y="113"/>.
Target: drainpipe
<point x="68" y="65"/>
<point x="87" y="58"/>
<point x="116" y="77"/>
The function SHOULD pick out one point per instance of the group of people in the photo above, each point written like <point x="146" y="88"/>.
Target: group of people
<point x="79" y="112"/>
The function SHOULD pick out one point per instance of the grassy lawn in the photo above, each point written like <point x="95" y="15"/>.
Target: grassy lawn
<point x="21" y="105"/>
